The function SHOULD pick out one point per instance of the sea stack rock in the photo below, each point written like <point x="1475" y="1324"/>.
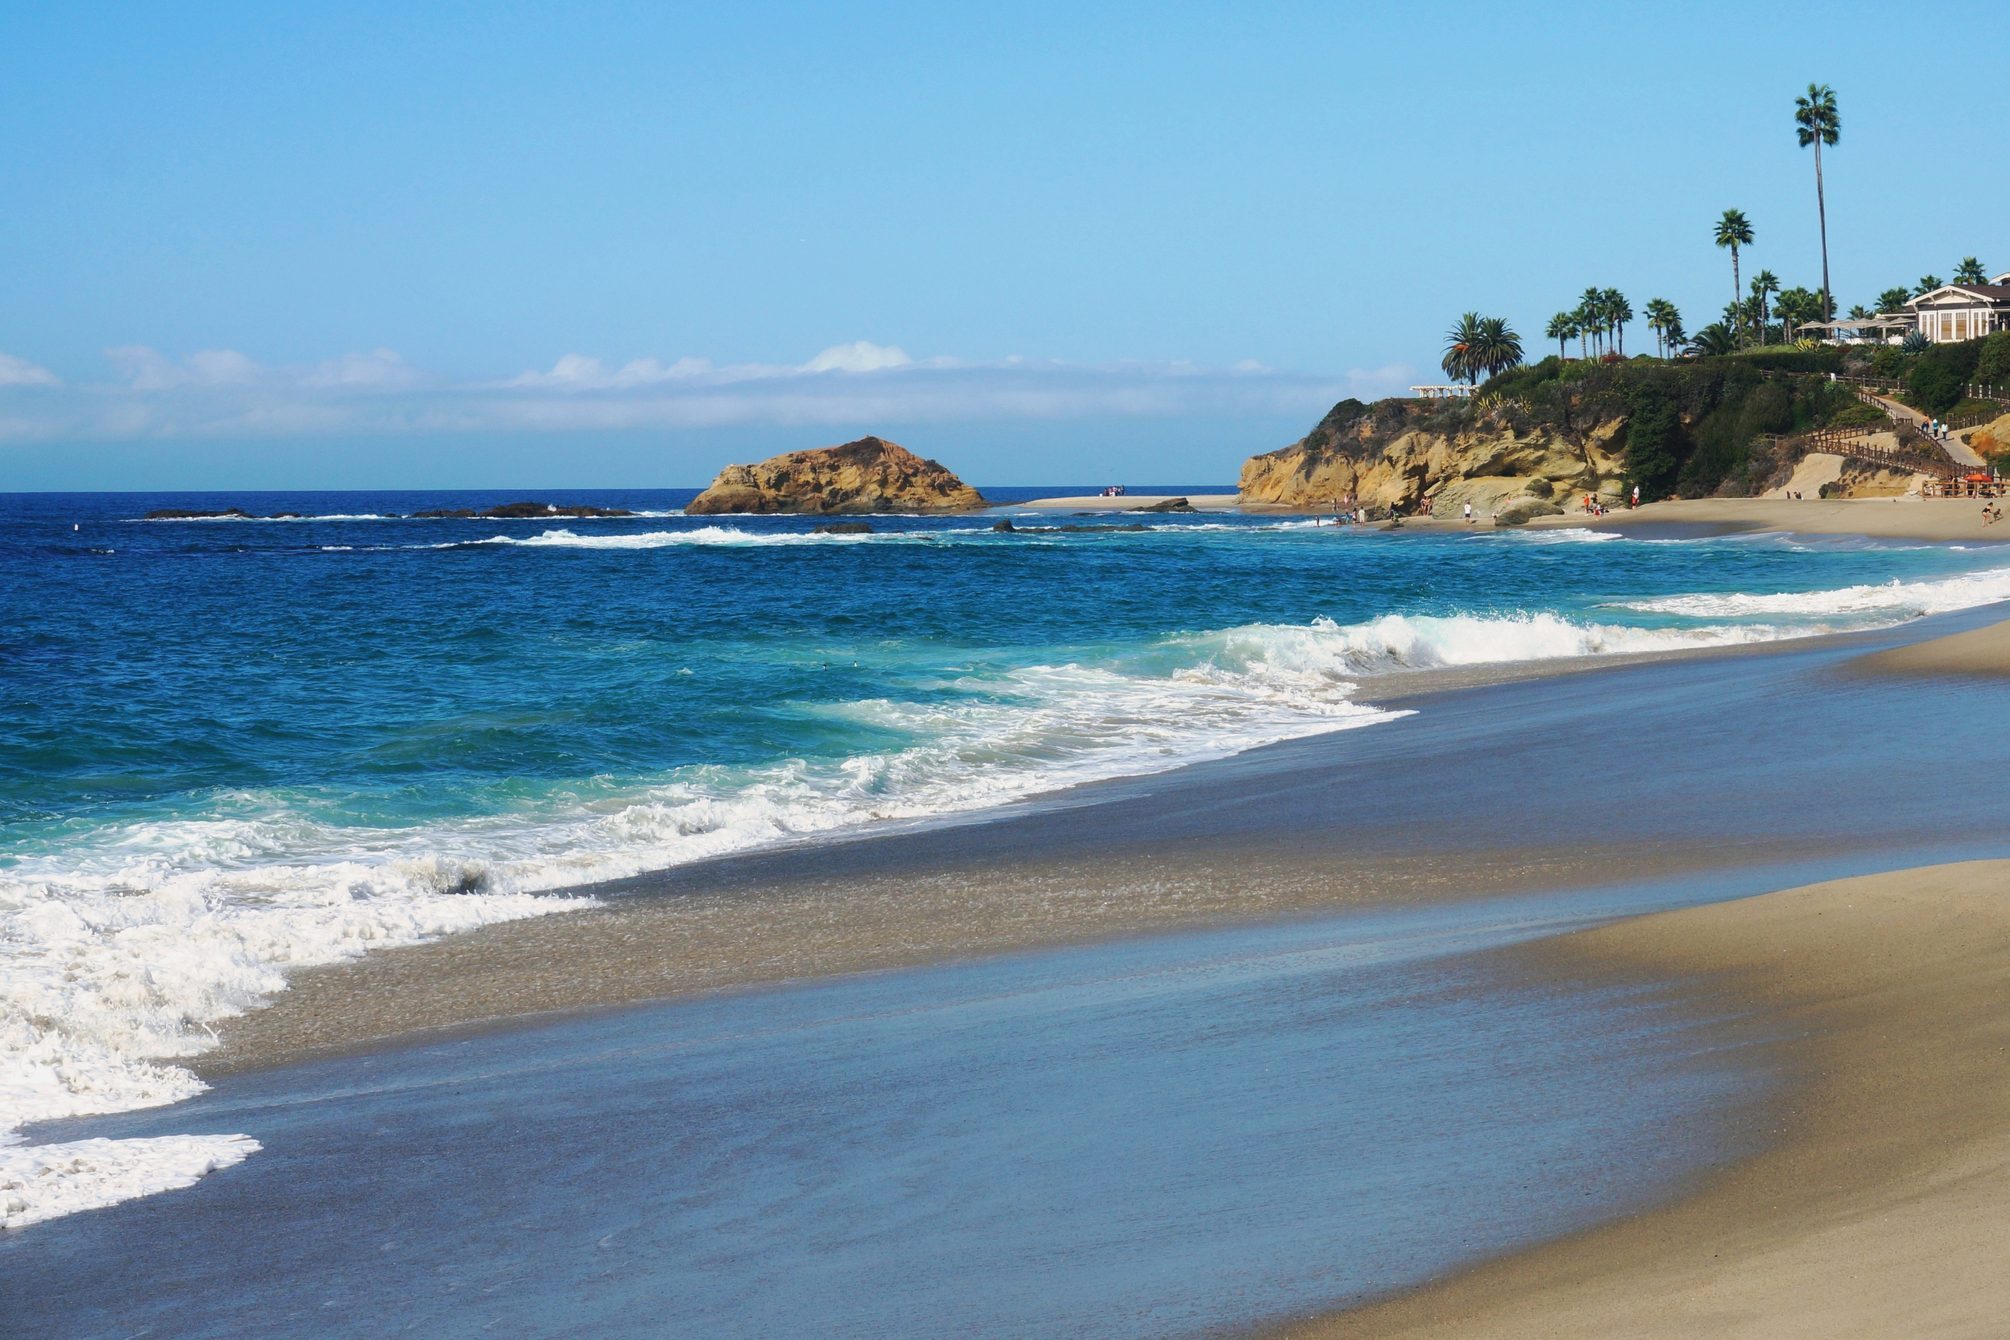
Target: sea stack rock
<point x="869" y="475"/>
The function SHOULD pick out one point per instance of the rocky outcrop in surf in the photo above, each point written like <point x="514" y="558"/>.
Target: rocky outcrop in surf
<point x="869" y="475"/>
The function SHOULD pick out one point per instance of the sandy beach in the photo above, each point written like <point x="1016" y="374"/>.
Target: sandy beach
<point x="1879" y="1209"/>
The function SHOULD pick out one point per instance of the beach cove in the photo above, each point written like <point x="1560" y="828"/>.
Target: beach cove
<point x="1496" y="801"/>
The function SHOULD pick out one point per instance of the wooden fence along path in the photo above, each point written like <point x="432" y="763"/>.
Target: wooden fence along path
<point x="1855" y="444"/>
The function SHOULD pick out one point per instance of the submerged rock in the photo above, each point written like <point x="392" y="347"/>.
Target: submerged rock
<point x="844" y="528"/>
<point x="869" y="475"/>
<point x="195" y="514"/>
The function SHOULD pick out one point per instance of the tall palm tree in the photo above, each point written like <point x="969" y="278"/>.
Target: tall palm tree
<point x="1462" y="348"/>
<point x="1561" y="328"/>
<point x="1764" y="283"/>
<point x="1818" y="124"/>
<point x="1893" y="298"/>
<point x="1734" y="230"/>
<point x="1928" y="283"/>
<point x="1970" y="271"/>
<point x="1860" y="313"/>
<point x="1617" y="313"/>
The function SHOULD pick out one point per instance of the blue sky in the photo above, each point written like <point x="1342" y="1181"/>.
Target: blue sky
<point x="490" y="245"/>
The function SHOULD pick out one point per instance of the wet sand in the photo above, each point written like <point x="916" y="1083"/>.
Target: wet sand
<point x="1878" y="1211"/>
<point x="1980" y="652"/>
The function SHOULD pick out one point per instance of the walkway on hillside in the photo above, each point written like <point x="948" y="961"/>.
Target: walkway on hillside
<point x="1957" y="449"/>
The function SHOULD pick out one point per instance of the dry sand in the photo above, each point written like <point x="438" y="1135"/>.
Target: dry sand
<point x="1940" y="519"/>
<point x="1881" y="1208"/>
<point x="1984" y="652"/>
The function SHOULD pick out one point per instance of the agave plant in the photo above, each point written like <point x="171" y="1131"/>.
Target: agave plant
<point x="1914" y="342"/>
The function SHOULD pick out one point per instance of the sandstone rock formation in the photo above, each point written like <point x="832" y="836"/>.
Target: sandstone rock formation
<point x="869" y="475"/>
<point x="1389" y="455"/>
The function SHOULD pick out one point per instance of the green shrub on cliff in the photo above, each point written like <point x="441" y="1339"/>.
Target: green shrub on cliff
<point x="1935" y="384"/>
<point x="1656" y="444"/>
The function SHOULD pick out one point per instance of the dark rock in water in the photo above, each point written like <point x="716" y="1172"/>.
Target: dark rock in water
<point x="1008" y="528"/>
<point x="518" y="511"/>
<point x="190" y="514"/>
<point x="1169" y="505"/>
<point x="285" y="516"/>
<point x="445" y="514"/>
<point x="844" y="528"/>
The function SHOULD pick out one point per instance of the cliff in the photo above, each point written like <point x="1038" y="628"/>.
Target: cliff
<point x="1390" y="454"/>
<point x="869" y="475"/>
<point x="1558" y="429"/>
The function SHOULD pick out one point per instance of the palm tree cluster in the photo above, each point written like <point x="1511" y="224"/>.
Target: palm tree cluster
<point x="1666" y="323"/>
<point x="1596" y="323"/>
<point x="1480" y="346"/>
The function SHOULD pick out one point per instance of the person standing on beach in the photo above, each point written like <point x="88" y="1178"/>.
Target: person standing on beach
<point x="1636" y="495"/>
<point x="1469" y="514"/>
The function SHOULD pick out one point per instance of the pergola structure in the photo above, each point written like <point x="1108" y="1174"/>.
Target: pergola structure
<point x="1449" y="391"/>
<point x="1883" y="329"/>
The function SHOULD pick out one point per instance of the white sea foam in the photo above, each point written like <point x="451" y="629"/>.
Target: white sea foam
<point x="1557" y="535"/>
<point x="49" y="1181"/>
<point x="658" y="539"/>
<point x="1884" y="602"/>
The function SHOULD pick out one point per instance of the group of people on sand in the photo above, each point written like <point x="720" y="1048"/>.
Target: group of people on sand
<point x="1345" y="511"/>
<point x="1113" y="491"/>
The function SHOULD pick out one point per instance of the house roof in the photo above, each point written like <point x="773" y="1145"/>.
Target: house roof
<point x="2002" y="278"/>
<point x="1986" y="293"/>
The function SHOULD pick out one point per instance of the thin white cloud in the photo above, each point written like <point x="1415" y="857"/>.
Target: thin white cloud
<point x="858" y="356"/>
<point x="20" y="372"/>
<point x="224" y="393"/>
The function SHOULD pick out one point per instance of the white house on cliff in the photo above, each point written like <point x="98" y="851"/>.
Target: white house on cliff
<point x="1955" y="312"/>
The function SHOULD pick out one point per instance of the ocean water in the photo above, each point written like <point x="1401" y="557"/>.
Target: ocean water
<point x="1173" y="1136"/>
<point x="230" y="748"/>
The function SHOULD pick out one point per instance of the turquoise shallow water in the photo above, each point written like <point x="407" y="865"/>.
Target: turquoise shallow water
<point x="230" y="748"/>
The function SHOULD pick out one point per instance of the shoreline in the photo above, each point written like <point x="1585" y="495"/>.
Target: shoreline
<point x="1875" y="1210"/>
<point x="932" y="892"/>
<point x="1940" y="520"/>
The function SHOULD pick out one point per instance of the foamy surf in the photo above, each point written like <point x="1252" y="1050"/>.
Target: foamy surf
<point x="124" y="944"/>
<point x="1889" y="601"/>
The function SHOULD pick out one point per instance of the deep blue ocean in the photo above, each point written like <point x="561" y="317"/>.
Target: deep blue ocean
<point x="233" y="747"/>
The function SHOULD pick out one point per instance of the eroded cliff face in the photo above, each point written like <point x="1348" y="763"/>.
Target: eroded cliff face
<point x="1390" y="454"/>
<point x="869" y="475"/>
